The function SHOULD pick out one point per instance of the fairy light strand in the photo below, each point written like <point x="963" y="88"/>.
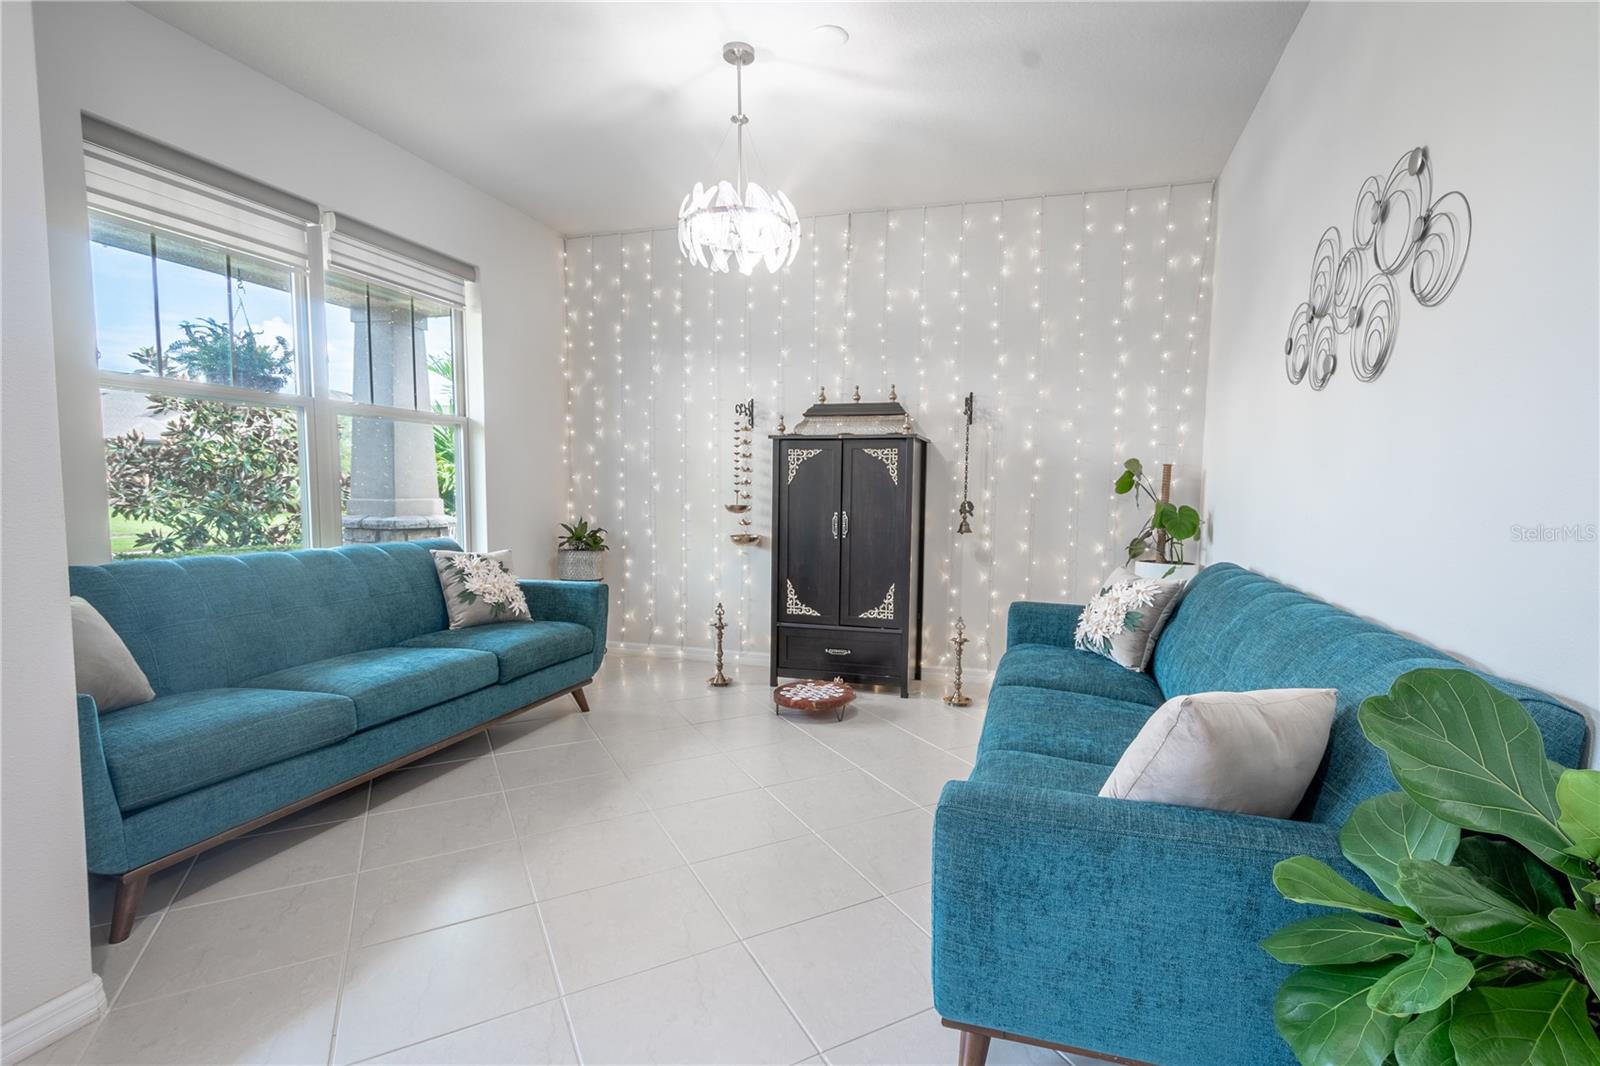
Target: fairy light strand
<point x="1101" y="336"/>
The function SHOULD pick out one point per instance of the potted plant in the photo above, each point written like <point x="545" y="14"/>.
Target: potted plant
<point x="1157" y="552"/>
<point x="1484" y="945"/>
<point x="578" y="549"/>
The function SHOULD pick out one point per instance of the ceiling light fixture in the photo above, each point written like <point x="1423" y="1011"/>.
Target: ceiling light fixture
<point x="717" y="225"/>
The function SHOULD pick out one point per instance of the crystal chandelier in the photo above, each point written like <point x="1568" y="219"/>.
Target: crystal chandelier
<point x="715" y="225"/>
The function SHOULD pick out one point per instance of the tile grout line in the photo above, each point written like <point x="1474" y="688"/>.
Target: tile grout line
<point x="111" y="1001"/>
<point x="818" y="834"/>
<point x="533" y="894"/>
<point x="160" y="918"/>
<point x="738" y="936"/>
<point x="879" y="1029"/>
<point x="517" y="840"/>
<point x="227" y="981"/>
<point x="350" y="933"/>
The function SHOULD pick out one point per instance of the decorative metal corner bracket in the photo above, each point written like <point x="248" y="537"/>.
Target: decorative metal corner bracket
<point x="884" y="611"/>
<point x="889" y="457"/>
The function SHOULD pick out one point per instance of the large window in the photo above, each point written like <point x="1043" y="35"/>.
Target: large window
<point x="232" y="422"/>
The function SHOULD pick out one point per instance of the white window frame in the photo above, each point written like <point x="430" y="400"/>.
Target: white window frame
<point x="322" y="509"/>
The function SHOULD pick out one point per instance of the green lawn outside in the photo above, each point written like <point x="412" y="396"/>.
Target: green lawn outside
<point x="125" y="531"/>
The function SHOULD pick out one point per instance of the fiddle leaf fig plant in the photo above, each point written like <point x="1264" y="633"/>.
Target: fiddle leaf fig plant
<point x="1179" y="523"/>
<point x="1482" y="946"/>
<point x="580" y="536"/>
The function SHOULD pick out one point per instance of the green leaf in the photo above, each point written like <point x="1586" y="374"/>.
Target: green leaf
<point x="1307" y="880"/>
<point x="1323" y="1015"/>
<point x="1541" y="1024"/>
<point x="1511" y="871"/>
<point x="1124" y="483"/>
<point x="1386" y="829"/>
<point x="1470" y="754"/>
<point x="1134" y="466"/>
<point x="1473" y="914"/>
<point x="1183" y="523"/>
<point x="1425" y="1040"/>
<point x="1137" y="547"/>
<point x="1427" y="980"/>
<point x="1578" y="799"/>
<point x="1337" y="939"/>
<point x="1583" y="933"/>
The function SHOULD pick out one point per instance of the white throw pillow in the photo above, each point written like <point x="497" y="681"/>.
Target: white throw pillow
<point x="1124" y="619"/>
<point x="1251" y="752"/>
<point x="479" y="588"/>
<point x="103" y="664"/>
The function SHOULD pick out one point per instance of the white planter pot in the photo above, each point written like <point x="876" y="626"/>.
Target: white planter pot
<point x="574" y="565"/>
<point x="1157" y="571"/>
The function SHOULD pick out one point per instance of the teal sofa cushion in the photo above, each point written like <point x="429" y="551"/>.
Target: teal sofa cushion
<point x="385" y="683"/>
<point x="1072" y="726"/>
<point x="176" y="744"/>
<point x="1070" y="670"/>
<point x="520" y="647"/>
<point x="1028" y="768"/>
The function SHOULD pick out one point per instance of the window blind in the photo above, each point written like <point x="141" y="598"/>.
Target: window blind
<point x="353" y="247"/>
<point x="139" y="179"/>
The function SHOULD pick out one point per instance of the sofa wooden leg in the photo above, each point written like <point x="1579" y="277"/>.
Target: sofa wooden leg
<point x="583" y="701"/>
<point x="130" y="893"/>
<point x="974" y="1048"/>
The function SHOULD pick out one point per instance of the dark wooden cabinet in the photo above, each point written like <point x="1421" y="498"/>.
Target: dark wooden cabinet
<point x="847" y="557"/>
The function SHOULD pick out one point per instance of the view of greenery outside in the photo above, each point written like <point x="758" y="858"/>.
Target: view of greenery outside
<point x="444" y="437"/>
<point x="188" y="475"/>
<point x="220" y="477"/>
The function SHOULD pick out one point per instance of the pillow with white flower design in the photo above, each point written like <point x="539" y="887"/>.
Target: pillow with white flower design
<point x="480" y="588"/>
<point x="1123" y="621"/>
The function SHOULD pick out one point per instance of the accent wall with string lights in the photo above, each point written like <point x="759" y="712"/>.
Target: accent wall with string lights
<point x="1079" y="321"/>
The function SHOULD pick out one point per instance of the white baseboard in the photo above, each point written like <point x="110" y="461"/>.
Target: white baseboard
<point x="42" y="1026"/>
<point x="760" y="659"/>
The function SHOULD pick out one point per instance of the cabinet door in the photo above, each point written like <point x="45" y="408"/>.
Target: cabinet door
<point x="808" y="565"/>
<point x="873" y="533"/>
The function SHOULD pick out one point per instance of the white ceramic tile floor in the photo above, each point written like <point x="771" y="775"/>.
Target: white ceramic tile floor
<point x="714" y="884"/>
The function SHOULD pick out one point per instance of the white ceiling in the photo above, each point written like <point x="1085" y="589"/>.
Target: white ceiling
<point x="599" y="117"/>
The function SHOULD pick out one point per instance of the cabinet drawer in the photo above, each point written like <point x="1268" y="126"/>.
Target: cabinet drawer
<point x="840" y="651"/>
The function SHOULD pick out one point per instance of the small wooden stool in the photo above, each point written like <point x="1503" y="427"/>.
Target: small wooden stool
<point x="832" y="696"/>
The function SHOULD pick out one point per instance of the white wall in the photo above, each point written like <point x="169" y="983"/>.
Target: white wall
<point x="1079" y="321"/>
<point x="120" y="64"/>
<point x="43" y="902"/>
<point x="1397" y="498"/>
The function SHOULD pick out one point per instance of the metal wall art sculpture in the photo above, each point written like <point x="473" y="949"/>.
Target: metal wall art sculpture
<point x="1399" y="235"/>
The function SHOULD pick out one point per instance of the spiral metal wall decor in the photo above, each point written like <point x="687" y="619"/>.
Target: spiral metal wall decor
<point x="1399" y="236"/>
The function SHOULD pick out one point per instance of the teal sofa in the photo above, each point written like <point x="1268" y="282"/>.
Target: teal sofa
<point x="282" y="678"/>
<point x="1132" y="929"/>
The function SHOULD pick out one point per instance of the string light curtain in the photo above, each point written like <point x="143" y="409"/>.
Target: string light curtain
<point x="1080" y="321"/>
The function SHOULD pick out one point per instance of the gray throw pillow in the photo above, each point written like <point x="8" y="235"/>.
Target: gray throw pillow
<point x="104" y="666"/>
<point x="1250" y="752"/>
<point x="480" y="588"/>
<point x="1124" y="619"/>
